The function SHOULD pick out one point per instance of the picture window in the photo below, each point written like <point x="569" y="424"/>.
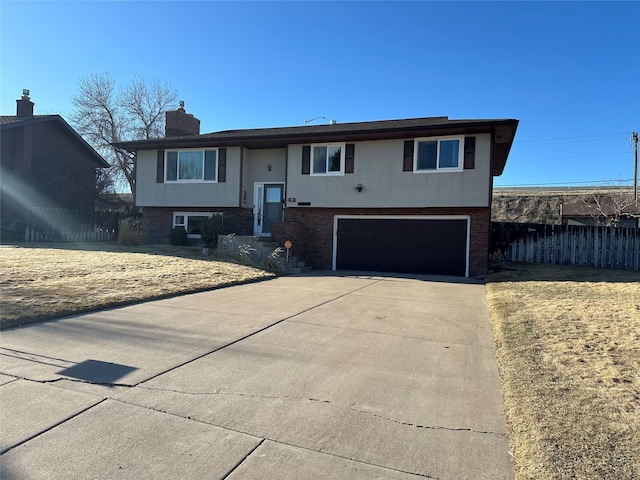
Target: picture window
<point x="191" y="165"/>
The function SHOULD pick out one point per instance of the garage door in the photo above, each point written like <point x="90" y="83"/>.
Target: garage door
<point x="433" y="246"/>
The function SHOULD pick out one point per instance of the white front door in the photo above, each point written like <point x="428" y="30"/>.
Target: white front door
<point x="267" y="206"/>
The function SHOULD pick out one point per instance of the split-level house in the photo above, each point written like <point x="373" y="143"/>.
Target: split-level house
<point x="45" y="164"/>
<point x="410" y="195"/>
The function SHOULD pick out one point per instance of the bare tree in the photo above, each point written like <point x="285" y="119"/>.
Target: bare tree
<point x="104" y="114"/>
<point x="609" y="206"/>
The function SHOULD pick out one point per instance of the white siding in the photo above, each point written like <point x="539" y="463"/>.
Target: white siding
<point x="255" y="169"/>
<point x="378" y="167"/>
<point x="150" y="193"/>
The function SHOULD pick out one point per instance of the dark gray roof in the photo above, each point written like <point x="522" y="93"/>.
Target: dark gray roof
<point x="279" y="137"/>
<point x="17" y="121"/>
<point x="608" y="206"/>
<point x="12" y="121"/>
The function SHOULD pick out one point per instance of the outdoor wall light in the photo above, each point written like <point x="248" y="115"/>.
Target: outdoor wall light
<point x="269" y="167"/>
<point x="359" y="188"/>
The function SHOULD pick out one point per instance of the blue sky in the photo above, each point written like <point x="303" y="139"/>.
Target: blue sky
<point x="569" y="71"/>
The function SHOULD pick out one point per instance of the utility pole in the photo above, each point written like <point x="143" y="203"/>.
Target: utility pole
<point x="634" y="138"/>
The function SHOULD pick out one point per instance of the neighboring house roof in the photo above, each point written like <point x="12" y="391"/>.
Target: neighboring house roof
<point x="591" y="210"/>
<point x="10" y="121"/>
<point x="279" y="137"/>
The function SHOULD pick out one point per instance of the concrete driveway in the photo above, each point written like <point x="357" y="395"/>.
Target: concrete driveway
<point x="315" y="376"/>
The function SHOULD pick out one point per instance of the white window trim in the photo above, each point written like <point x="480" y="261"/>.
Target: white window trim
<point x="342" y="159"/>
<point x="203" y="150"/>
<point x="439" y="169"/>
<point x="192" y="214"/>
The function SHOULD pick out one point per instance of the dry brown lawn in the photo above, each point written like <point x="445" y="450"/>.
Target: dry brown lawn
<point x="568" y="343"/>
<point x="43" y="282"/>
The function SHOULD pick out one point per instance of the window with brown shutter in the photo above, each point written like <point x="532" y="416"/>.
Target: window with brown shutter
<point x="407" y="164"/>
<point x="469" y="153"/>
<point x="160" y="167"/>
<point x="306" y="160"/>
<point x="349" y="160"/>
<point x="222" y="165"/>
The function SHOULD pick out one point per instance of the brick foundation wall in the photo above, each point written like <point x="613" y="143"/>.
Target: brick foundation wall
<point x="313" y="228"/>
<point x="160" y="219"/>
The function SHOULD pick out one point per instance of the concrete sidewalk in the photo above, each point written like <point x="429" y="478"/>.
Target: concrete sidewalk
<point x="313" y="376"/>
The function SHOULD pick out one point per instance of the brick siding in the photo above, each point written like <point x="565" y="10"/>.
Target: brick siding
<point x="160" y="219"/>
<point x="313" y="229"/>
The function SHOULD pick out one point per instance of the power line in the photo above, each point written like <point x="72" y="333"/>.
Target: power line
<point x="604" y="182"/>
<point x="573" y="156"/>
<point x="570" y="139"/>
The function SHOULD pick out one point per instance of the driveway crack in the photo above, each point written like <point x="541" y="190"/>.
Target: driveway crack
<point x="236" y="394"/>
<point x="352" y="407"/>
<point x="427" y="427"/>
<point x="51" y="427"/>
<point x="243" y="459"/>
<point x="72" y="380"/>
<point x="269" y="438"/>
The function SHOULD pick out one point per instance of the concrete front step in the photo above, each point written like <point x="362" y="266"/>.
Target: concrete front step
<point x="297" y="267"/>
<point x="260" y="248"/>
<point x="300" y="270"/>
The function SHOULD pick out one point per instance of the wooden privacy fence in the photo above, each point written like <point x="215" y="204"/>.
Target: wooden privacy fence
<point x="44" y="224"/>
<point x="599" y="247"/>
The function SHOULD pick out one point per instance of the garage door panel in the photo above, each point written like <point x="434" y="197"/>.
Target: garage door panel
<point x="436" y="246"/>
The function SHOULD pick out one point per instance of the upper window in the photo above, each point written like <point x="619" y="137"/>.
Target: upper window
<point x="438" y="154"/>
<point x="191" y="165"/>
<point x="327" y="159"/>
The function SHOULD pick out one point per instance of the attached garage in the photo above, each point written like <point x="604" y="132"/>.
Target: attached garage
<point x="403" y="244"/>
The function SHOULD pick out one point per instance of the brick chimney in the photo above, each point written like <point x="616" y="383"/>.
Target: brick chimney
<point x="179" y="123"/>
<point x="24" y="105"/>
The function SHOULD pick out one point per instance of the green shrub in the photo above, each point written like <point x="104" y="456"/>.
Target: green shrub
<point x="210" y="229"/>
<point x="178" y="236"/>
<point x="132" y="231"/>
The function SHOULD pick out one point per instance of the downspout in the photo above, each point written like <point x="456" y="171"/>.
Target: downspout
<point x="241" y="177"/>
<point x="286" y="183"/>
<point x="493" y="154"/>
<point x="135" y="178"/>
<point x="491" y="163"/>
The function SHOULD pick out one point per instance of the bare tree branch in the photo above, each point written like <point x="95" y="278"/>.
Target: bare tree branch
<point x="610" y="207"/>
<point x="104" y="114"/>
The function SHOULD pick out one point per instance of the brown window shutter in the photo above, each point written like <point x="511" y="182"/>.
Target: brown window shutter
<point x="469" y="153"/>
<point x="222" y="165"/>
<point x="160" y="167"/>
<point x="306" y="160"/>
<point x="407" y="164"/>
<point x="349" y="158"/>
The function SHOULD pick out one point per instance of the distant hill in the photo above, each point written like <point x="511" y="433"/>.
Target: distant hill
<point x="537" y="205"/>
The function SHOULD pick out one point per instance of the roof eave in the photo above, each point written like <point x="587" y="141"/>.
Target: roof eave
<point x="305" y="136"/>
<point x="503" y="137"/>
